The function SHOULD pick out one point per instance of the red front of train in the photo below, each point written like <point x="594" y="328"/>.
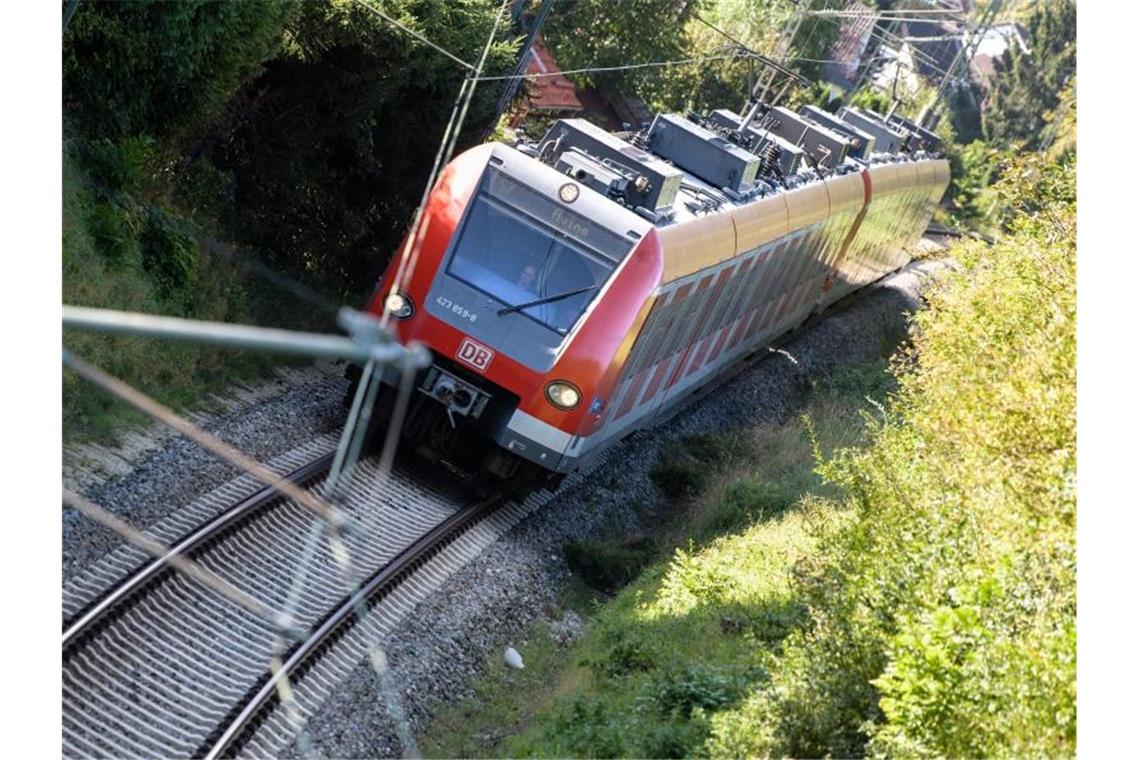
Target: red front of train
<point x="529" y="290"/>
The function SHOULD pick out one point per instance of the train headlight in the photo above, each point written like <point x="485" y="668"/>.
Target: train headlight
<point x="563" y="395"/>
<point x="399" y="305"/>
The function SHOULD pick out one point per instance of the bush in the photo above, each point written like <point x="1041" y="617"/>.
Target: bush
<point x="119" y="167"/>
<point x="694" y="688"/>
<point x="170" y="257"/>
<point x="609" y="564"/>
<point x="686" y="470"/>
<point x="111" y="232"/>
<point x="157" y="69"/>
<point x="623" y="658"/>
<point x="745" y="501"/>
<point x="942" y="614"/>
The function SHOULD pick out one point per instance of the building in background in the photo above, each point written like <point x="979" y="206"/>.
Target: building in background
<point x="997" y="40"/>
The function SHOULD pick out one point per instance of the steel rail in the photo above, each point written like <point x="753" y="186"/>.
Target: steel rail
<point x="97" y="610"/>
<point x="341" y="619"/>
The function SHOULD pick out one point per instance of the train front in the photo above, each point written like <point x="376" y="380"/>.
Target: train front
<point x="527" y="289"/>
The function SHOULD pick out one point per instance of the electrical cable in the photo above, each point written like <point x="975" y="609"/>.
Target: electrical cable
<point x="626" y="67"/>
<point x="417" y="35"/>
<point x="409" y="256"/>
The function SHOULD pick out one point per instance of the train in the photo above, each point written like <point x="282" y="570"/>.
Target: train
<point x="575" y="289"/>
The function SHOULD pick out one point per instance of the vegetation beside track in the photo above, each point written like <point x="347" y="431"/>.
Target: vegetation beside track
<point x="912" y="593"/>
<point x="692" y="630"/>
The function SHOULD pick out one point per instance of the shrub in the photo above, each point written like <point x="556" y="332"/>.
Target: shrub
<point x="147" y="68"/>
<point x="111" y="232"/>
<point x="609" y="564"/>
<point x="744" y="501"/>
<point x="119" y="167"/>
<point x="170" y="256"/>
<point x="679" y="475"/>
<point x="694" y="688"/>
<point x="686" y="470"/>
<point x="942" y="613"/>
<point x="623" y="658"/>
<point x="588" y="730"/>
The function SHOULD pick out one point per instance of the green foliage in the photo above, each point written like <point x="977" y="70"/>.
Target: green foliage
<point x="683" y="644"/>
<point x="107" y="264"/>
<point x="328" y="150"/>
<point x="974" y="167"/>
<point x="943" y="611"/>
<point x="682" y="648"/>
<point x="679" y="475"/>
<point x="685" y="471"/>
<point x="867" y="380"/>
<point x="1028" y="86"/>
<point x="623" y="658"/>
<point x="931" y="611"/>
<point x="874" y="99"/>
<point x="299" y="132"/>
<point x="745" y="501"/>
<point x="119" y="167"/>
<point x="609" y="564"/>
<point x="111" y="232"/>
<point x="161" y="68"/>
<point x="600" y="33"/>
<point x="170" y="256"/>
<point x="693" y="688"/>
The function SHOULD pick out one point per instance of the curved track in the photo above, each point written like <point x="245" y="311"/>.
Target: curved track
<point x="160" y="666"/>
<point x="119" y="596"/>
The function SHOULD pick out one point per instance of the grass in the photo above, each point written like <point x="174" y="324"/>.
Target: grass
<point x="701" y="605"/>
<point x="892" y="574"/>
<point x="120" y="252"/>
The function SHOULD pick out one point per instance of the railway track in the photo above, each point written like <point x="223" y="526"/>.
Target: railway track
<point x="156" y="665"/>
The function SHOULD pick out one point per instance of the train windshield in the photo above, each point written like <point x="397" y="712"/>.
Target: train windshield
<point x="521" y="248"/>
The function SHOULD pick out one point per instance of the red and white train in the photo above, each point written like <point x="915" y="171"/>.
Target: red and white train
<point x="571" y="292"/>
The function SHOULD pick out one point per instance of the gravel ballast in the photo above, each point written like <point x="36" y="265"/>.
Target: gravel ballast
<point x="438" y="654"/>
<point x="170" y="471"/>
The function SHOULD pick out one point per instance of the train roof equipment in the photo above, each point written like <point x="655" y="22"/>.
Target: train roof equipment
<point x="929" y="141"/>
<point x="703" y="153"/>
<point x="654" y="182"/>
<point x="774" y="151"/>
<point x="888" y="139"/>
<point x="681" y="167"/>
<point x="863" y="142"/>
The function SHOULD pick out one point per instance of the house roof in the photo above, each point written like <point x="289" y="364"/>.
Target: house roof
<point x="549" y="93"/>
<point x="936" y="45"/>
<point x="993" y="45"/>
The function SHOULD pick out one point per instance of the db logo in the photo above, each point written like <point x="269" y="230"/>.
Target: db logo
<point x="475" y="354"/>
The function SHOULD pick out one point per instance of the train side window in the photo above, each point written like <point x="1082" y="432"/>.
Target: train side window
<point x="683" y="327"/>
<point x="668" y="318"/>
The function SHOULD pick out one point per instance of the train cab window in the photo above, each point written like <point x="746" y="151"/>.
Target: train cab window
<point x="516" y="259"/>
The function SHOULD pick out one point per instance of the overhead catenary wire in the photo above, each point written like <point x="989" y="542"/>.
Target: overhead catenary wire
<point x="742" y="55"/>
<point x="216" y="446"/>
<point x="417" y="35"/>
<point x="885" y="13"/>
<point x="409" y="254"/>
<point x="332" y="520"/>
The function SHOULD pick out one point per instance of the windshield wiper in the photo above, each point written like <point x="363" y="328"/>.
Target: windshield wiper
<point x="547" y="299"/>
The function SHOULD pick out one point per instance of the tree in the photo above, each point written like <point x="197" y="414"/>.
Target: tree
<point x="602" y="33"/>
<point x="328" y="149"/>
<point x="1027" y="86"/>
<point x="163" y="69"/>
